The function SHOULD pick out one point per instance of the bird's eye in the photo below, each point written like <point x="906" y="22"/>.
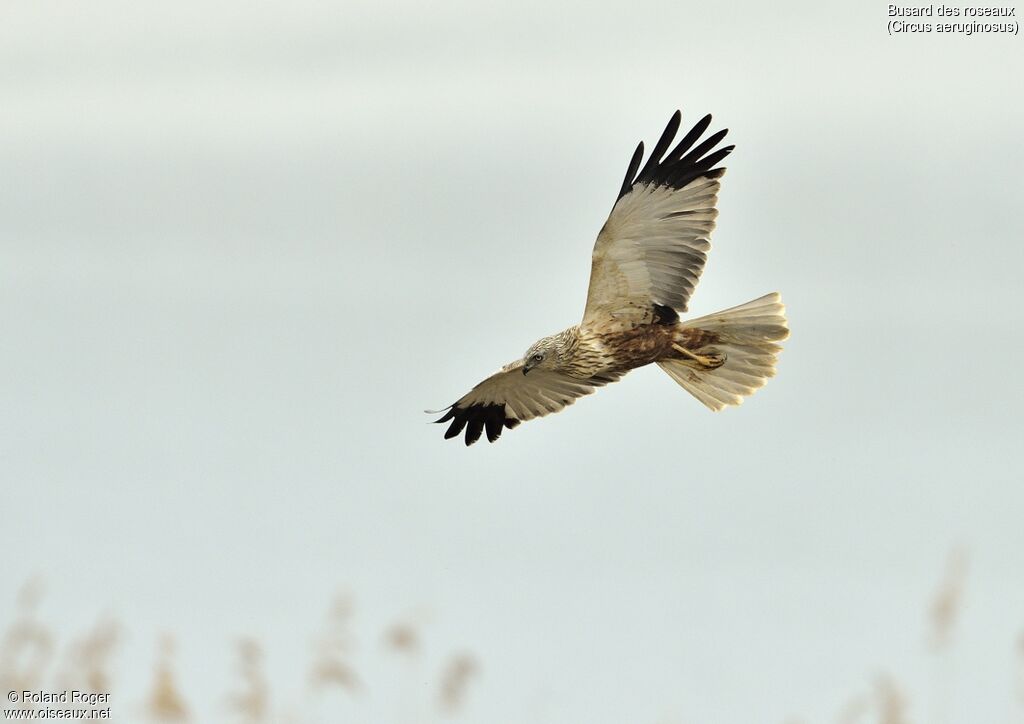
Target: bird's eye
<point x="538" y="357"/>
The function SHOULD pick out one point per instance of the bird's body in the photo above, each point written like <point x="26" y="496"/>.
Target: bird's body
<point x="584" y="353"/>
<point x="646" y="262"/>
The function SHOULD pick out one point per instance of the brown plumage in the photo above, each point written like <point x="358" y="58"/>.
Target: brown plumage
<point x="646" y="262"/>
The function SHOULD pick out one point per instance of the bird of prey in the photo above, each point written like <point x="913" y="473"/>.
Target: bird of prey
<point x="646" y="262"/>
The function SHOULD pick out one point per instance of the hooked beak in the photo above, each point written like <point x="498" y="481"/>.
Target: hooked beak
<point x="526" y="368"/>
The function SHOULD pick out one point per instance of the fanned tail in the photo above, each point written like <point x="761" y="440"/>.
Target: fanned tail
<point x="742" y="342"/>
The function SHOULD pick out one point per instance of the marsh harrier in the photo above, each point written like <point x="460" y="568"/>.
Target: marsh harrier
<point x="646" y="262"/>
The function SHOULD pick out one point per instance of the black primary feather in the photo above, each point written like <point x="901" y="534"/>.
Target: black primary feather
<point x="662" y="145"/>
<point x="682" y="164"/>
<point x="686" y="141"/>
<point x="475" y="419"/>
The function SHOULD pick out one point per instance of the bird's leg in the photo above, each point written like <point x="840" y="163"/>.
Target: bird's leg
<point x="709" y="361"/>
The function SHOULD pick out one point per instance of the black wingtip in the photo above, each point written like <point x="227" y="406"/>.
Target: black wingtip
<point x="474" y="428"/>
<point x="477" y="419"/>
<point x="453" y="431"/>
<point x="682" y="164"/>
<point x="658" y="152"/>
<point x="697" y="152"/>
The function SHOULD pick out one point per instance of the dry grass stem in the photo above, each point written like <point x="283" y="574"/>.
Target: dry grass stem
<point x="165" y="702"/>
<point x="89" y="659"/>
<point x="28" y="645"/>
<point x="890" y="701"/>
<point x="253" y="702"/>
<point x="333" y="648"/>
<point x="455" y="680"/>
<point x="948" y="599"/>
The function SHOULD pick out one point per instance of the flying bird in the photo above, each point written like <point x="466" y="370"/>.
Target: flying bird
<point x="646" y="262"/>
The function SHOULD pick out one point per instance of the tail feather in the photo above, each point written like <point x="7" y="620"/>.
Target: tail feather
<point x="746" y="337"/>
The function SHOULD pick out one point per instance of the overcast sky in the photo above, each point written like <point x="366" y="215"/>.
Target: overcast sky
<point x="244" y="245"/>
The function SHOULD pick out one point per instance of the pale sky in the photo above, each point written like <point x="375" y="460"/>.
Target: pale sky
<point x="243" y="246"/>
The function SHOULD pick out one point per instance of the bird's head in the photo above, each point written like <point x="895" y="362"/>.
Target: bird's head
<point x="545" y="353"/>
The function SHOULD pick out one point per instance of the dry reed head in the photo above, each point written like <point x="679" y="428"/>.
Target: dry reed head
<point x="252" y="704"/>
<point x="165" y="702"/>
<point x="333" y="648"/>
<point x="948" y="599"/>
<point x="88" y="665"/>
<point x="890" y="701"/>
<point x="28" y="646"/>
<point x="327" y="673"/>
<point x="455" y="680"/>
<point x="402" y="638"/>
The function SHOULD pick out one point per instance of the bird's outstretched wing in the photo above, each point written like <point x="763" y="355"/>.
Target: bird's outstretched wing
<point x="652" y="248"/>
<point x="509" y="397"/>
